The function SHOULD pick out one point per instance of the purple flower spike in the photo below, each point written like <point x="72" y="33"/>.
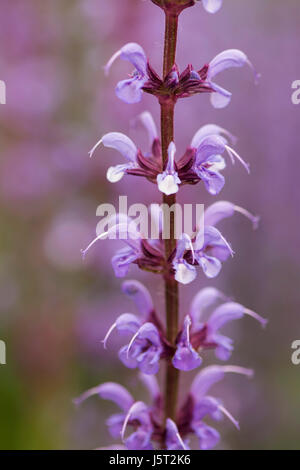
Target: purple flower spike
<point x="212" y="6"/>
<point x="186" y="358"/>
<point x="130" y="90"/>
<point x="226" y="59"/>
<point x="173" y="438"/>
<point x="168" y="181"/>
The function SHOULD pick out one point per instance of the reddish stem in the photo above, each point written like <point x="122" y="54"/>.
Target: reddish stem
<point x="171" y="286"/>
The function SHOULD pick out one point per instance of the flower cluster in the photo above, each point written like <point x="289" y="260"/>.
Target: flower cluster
<point x="145" y="421"/>
<point x="147" y="426"/>
<point x="175" y="85"/>
<point x="148" y="344"/>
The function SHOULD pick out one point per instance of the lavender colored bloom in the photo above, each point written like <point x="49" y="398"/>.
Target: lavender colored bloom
<point x="147" y="344"/>
<point x="144" y="350"/>
<point x="199" y="405"/>
<point x="202" y="161"/>
<point x="210" y="144"/>
<point x="133" y="413"/>
<point x="147" y="254"/>
<point x="223" y="61"/>
<point x="130" y="90"/>
<point x="209" y="248"/>
<point x="197" y="335"/>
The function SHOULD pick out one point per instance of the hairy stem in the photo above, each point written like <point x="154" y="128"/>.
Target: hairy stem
<point x="171" y="286"/>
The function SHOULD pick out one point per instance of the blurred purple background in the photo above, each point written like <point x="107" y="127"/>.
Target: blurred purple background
<point x="55" y="308"/>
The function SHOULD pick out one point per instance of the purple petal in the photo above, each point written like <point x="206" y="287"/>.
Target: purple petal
<point x="148" y="362"/>
<point x="119" y="142"/>
<point x="204" y="299"/>
<point x="149" y="124"/>
<point x="221" y="97"/>
<point x="140" y="296"/>
<point x="225" y="60"/>
<point x="127" y="323"/>
<point x="151" y="383"/>
<point x="231" y="311"/>
<point x="224" y="347"/>
<point x="186" y="358"/>
<point x="212" y="145"/>
<point x="132" y="52"/>
<point x="215" y="244"/>
<point x="211" y="266"/>
<point x="139" y="440"/>
<point x="212" y="6"/>
<point x="207" y="377"/>
<point x="122" y="260"/>
<point x="130" y="90"/>
<point x="138" y="412"/>
<point x="223" y="209"/>
<point x="218" y="211"/>
<point x="208" y="436"/>
<point x="109" y="391"/>
<point x="128" y="361"/>
<point x="213" y="180"/>
<point x="145" y="347"/>
<point x="209" y="130"/>
<point x="173" y="438"/>
<point x="135" y="54"/>
<point x="115" y="424"/>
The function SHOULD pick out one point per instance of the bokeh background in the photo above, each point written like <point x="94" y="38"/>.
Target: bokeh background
<point x="55" y="308"/>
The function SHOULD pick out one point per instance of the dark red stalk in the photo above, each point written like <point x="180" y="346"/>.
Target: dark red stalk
<point x="171" y="286"/>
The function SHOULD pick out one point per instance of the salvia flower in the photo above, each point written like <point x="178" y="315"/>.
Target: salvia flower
<point x="148" y="344"/>
<point x="209" y="248"/>
<point x="147" y="254"/>
<point x="208" y="145"/>
<point x="175" y="85"/>
<point x="148" y="430"/>
<point x="135" y="414"/>
<point x="202" y="161"/>
<point x="130" y="90"/>
<point x="197" y="335"/>
<point x="199" y="405"/>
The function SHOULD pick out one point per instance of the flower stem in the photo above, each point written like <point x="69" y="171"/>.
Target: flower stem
<point x="171" y="286"/>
